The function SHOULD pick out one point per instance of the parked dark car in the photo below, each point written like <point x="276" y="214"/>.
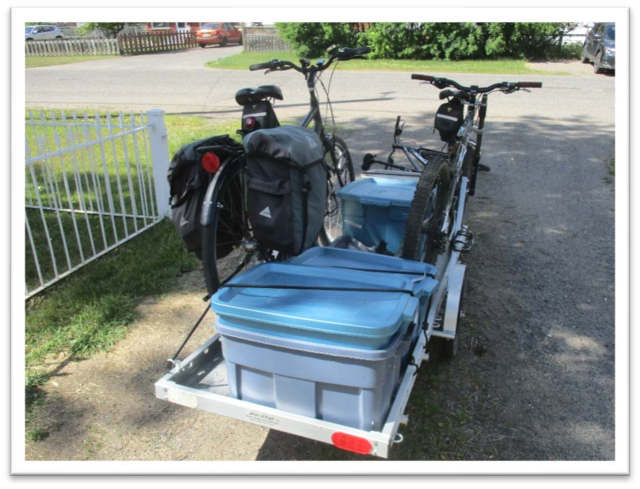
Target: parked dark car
<point x="600" y="47"/>
<point x="218" y="33"/>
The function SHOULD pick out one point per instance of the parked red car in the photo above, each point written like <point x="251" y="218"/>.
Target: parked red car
<point x="218" y="33"/>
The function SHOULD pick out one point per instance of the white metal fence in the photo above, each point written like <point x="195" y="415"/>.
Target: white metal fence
<point x="92" y="182"/>
<point x="72" y="47"/>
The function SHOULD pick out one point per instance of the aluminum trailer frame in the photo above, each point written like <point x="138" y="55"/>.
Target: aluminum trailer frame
<point x="200" y="380"/>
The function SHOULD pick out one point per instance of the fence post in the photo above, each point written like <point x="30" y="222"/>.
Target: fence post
<point x="159" y="159"/>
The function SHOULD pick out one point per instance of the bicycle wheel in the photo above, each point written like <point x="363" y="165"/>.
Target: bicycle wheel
<point x="426" y="214"/>
<point x="340" y="168"/>
<point x="225" y="228"/>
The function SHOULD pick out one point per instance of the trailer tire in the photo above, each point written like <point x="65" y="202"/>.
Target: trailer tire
<point x="422" y="233"/>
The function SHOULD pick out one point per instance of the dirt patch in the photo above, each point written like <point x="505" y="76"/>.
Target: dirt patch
<point x="104" y="408"/>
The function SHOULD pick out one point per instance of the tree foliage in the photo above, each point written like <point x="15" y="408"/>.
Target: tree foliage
<point x="311" y="39"/>
<point x="431" y="40"/>
<point x="109" y="29"/>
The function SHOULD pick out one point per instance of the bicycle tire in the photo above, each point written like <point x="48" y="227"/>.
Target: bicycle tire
<point x="478" y="154"/>
<point x="421" y="242"/>
<point x="339" y="157"/>
<point x="224" y="226"/>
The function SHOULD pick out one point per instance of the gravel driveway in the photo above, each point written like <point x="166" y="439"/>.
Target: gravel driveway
<point x="534" y="379"/>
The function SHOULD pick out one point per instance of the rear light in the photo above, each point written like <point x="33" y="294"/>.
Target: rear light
<point x="250" y="123"/>
<point x="210" y="162"/>
<point x="351" y="443"/>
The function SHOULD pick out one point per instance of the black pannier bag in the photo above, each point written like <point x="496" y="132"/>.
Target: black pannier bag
<point x="287" y="187"/>
<point x="448" y="120"/>
<point x="188" y="183"/>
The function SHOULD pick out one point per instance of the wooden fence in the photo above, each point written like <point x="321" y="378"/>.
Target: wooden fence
<point x="155" y="42"/>
<point x="71" y="47"/>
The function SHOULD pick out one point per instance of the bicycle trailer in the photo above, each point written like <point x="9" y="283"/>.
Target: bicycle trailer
<point x="323" y="346"/>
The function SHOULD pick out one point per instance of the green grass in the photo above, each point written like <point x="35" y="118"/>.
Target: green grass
<point x="38" y="61"/>
<point x="81" y="180"/>
<point x="92" y="308"/>
<point x="242" y="61"/>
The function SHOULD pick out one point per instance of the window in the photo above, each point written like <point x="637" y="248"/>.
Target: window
<point x="160" y="26"/>
<point x="610" y="32"/>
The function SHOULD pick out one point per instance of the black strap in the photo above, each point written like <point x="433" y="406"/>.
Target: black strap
<point x="172" y="361"/>
<point x="306" y="187"/>
<point x="401" y="272"/>
<point x="317" y="287"/>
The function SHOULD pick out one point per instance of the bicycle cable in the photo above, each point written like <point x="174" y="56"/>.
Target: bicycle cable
<point x="326" y="89"/>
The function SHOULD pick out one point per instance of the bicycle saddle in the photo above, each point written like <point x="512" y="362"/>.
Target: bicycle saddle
<point x="246" y="96"/>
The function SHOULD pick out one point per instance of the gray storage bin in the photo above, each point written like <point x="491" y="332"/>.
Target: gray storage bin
<point x="349" y="386"/>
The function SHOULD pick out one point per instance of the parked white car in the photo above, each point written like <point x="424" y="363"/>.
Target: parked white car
<point x="42" y="32"/>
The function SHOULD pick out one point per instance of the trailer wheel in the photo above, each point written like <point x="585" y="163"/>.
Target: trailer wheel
<point x="426" y="214"/>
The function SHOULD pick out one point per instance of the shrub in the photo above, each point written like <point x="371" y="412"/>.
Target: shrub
<point x="311" y="39"/>
<point x="433" y="40"/>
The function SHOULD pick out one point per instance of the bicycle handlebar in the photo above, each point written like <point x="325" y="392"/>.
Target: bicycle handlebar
<point x="261" y="66"/>
<point x="341" y="54"/>
<point x="346" y="53"/>
<point x="504" y="86"/>
<point x="530" y="84"/>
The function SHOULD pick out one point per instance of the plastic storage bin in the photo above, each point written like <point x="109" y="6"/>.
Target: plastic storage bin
<point x="375" y="209"/>
<point x="361" y="260"/>
<point x="331" y="355"/>
<point x="354" y="259"/>
<point x="359" y="319"/>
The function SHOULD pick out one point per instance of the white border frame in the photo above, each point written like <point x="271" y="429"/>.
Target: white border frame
<point x="619" y="15"/>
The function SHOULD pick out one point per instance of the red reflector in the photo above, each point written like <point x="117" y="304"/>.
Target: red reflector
<point x="210" y="162"/>
<point x="250" y="123"/>
<point x="351" y="443"/>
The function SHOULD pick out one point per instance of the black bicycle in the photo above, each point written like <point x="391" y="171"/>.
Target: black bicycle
<point x="433" y="225"/>
<point x="228" y="244"/>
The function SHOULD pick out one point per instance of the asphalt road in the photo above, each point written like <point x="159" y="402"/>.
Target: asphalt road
<point x="535" y="376"/>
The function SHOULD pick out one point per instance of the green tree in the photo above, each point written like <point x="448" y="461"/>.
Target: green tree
<point x="109" y="29"/>
<point x="311" y="39"/>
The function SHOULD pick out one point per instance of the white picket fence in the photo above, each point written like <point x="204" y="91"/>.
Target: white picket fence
<point x="264" y="42"/>
<point x="92" y="182"/>
<point x="72" y="47"/>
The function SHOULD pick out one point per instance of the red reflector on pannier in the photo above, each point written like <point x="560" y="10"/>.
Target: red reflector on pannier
<point x="351" y="443"/>
<point x="210" y="162"/>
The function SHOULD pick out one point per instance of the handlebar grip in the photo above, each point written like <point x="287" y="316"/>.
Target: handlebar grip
<point x="260" y="66"/>
<point x="428" y="78"/>
<point x="530" y="84"/>
<point x="362" y="50"/>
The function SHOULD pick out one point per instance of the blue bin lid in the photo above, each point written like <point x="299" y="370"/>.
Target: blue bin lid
<point x="324" y="256"/>
<point x="380" y="191"/>
<point x="360" y="319"/>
